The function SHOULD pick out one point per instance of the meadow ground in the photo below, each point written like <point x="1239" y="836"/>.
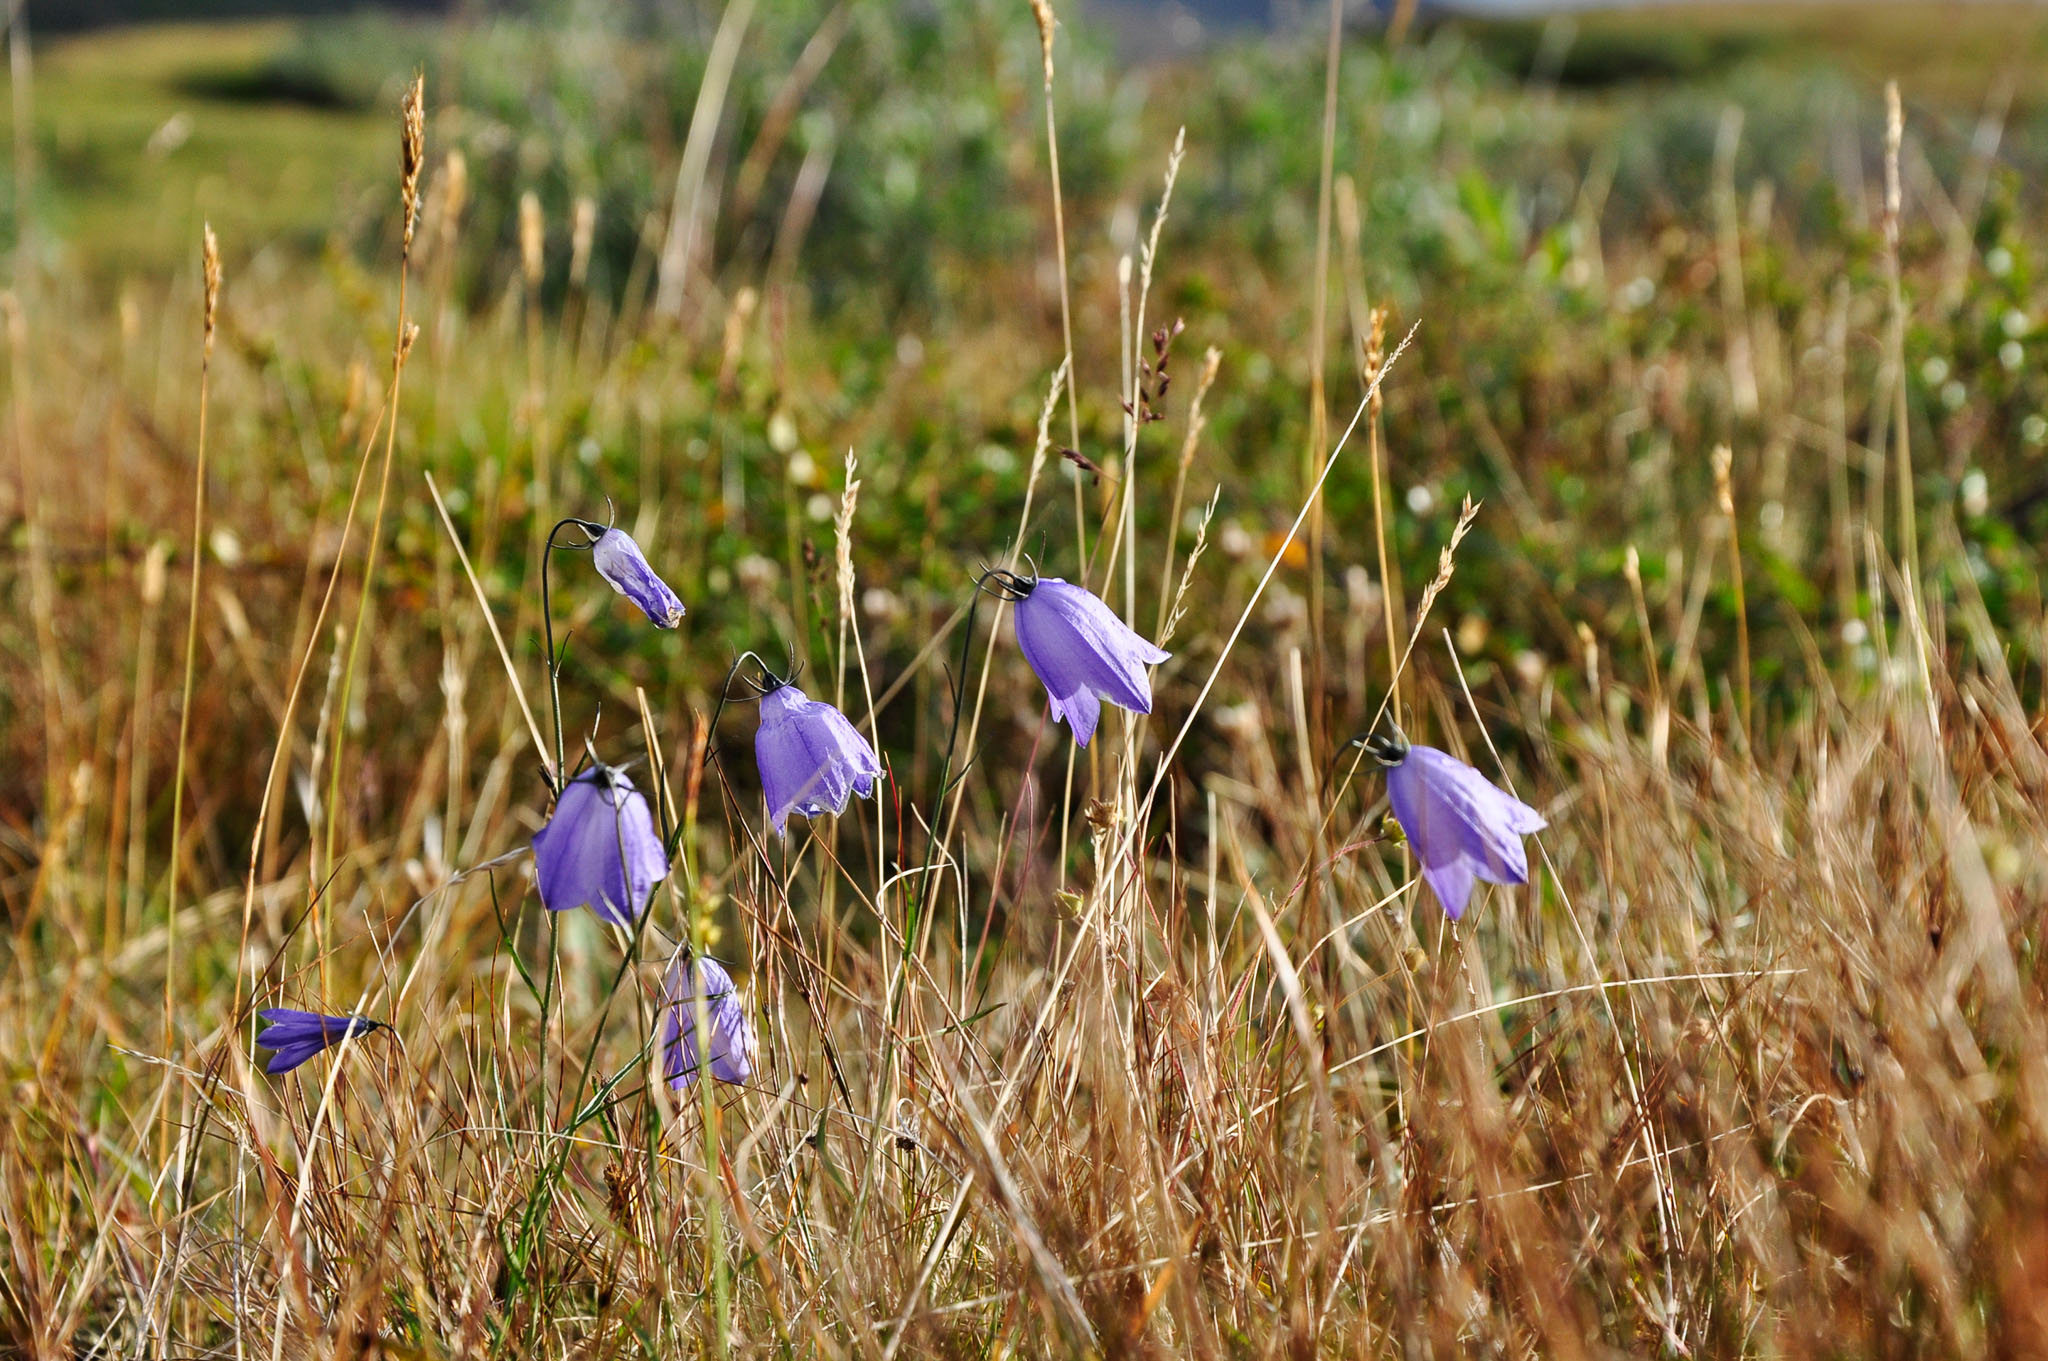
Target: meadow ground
<point x="1698" y="500"/>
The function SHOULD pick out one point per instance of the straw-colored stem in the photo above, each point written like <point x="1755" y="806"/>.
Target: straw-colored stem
<point x="1724" y="491"/>
<point x="1318" y="414"/>
<point x="412" y="147"/>
<point x="211" y="270"/>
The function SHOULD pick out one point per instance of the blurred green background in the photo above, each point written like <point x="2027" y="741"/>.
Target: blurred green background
<point x="1543" y="196"/>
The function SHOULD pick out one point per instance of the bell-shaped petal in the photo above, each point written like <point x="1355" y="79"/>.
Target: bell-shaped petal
<point x="812" y="758"/>
<point x="600" y="849"/>
<point x="292" y="1036"/>
<point x="1461" y="826"/>
<point x="728" y="1032"/>
<point x="1083" y="653"/>
<point x="620" y="561"/>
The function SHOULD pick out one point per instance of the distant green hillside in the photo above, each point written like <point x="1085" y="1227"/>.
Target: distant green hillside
<point x="56" y="16"/>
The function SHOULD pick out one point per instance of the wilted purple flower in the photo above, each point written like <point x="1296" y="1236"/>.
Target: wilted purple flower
<point x="1461" y="826"/>
<point x="295" y="1036"/>
<point x="812" y="759"/>
<point x="620" y="561"/>
<point x="732" y="1033"/>
<point x="1080" y="649"/>
<point x="600" y="849"/>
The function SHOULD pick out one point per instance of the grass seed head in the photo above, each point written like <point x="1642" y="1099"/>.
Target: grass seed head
<point x="412" y="152"/>
<point x="210" y="268"/>
<point x="532" y="233"/>
<point x="1042" y="12"/>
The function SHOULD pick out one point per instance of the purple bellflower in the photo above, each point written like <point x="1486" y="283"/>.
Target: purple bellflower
<point x="620" y="561"/>
<point x="1462" y="826"/>
<point x="600" y="849"/>
<point x="1079" y="648"/>
<point x="731" y="1046"/>
<point x="812" y="758"/>
<point x="292" y="1037"/>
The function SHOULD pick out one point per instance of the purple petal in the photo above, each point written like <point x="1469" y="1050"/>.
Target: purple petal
<point x="620" y="561"/>
<point x="731" y="1031"/>
<point x="1452" y="884"/>
<point x="812" y="759"/>
<point x="600" y="850"/>
<point x="290" y="1057"/>
<point x="1084" y="654"/>
<point x="1461" y="826"/>
<point x="295" y="1036"/>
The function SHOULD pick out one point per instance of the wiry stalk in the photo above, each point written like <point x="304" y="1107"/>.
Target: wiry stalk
<point x="210" y="269"/>
<point x="411" y="155"/>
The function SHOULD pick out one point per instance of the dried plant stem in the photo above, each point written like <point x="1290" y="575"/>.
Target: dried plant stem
<point x="1660" y="718"/>
<point x="1375" y="361"/>
<point x="1212" y="359"/>
<point x="283" y="745"/>
<point x="1318" y="413"/>
<point x="1041" y="450"/>
<point x="1124" y="545"/>
<point x="1902" y="444"/>
<point x="412" y="137"/>
<point x="686" y="208"/>
<point x="42" y="593"/>
<point x="210" y="271"/>
<point x="1041" y="10"/>
<point x="1446" y="564"/>
<point x="1724" y="494"/>
<point x="1841" y="536"/>
<point x="490" y="621"/>
<point x="1895" y="336"/>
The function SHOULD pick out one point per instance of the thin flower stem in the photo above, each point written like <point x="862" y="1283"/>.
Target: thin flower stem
<point x="547" y="616"/>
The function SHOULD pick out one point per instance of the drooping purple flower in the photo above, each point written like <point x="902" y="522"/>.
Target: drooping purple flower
<point x="600" y="849"/>
<point x="1081" y="650"/>
<point x="620" y="561"/>
<point x="731" y="1032"/>
<point x="812" y="758"/>
<point x="1461" y="825"/>
<point x="292" y="1037"/>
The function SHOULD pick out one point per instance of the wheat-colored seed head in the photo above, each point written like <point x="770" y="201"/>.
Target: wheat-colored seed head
<point x="1212" y="360"/>
<point x="532" y="229"/>
<point x="1376" y="357"/>
<point x="412" y="152"/>
<point x="456" y="174"/>
<point x="581" y="233"/>
<point x="1446" y="559"/>
<point x="156" y="565"/>
<point x="1042" y="11"/>
<point x="1589" y="654"/>
<point x="1724" y="486"/>
<point x="736" y="318"/>
<point x="842" y="525"/>
<point x="210" y="270"/>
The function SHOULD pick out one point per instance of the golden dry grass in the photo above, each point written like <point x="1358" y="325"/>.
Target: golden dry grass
<point x="1158" y="1050"/>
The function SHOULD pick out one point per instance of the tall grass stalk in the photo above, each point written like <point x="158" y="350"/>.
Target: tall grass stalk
<point x="411" y="157"/>
<point x="1319" y="284"/>
<point x="210" y="273"/>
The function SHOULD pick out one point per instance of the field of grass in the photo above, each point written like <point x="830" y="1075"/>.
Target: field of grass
<point x="1615" y="404"/>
